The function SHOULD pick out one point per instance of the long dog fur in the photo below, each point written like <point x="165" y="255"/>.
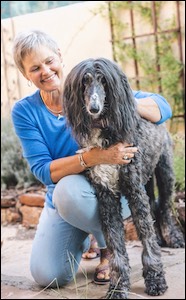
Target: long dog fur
<point x="101" y="110"/>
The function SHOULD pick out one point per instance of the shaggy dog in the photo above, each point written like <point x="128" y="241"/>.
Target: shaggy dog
<point x="101" y="110"/>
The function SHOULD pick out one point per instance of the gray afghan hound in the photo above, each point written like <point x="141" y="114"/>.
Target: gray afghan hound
<point x="101" y="110"/>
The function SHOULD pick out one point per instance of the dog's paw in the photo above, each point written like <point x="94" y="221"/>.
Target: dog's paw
<point x="156" y="289"/>
<point x="174" y="238"/>
<point x="155" y="284"/>
<point x="116" y="294"/>
<point x="118" y="291"/>
<point x="177" y="242"/>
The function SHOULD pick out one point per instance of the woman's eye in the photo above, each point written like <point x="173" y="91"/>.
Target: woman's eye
<point x="50" y="61"/>
<point x="35" y="69"/>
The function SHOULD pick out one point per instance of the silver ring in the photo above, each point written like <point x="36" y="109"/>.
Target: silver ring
<point x="125" y="157"/>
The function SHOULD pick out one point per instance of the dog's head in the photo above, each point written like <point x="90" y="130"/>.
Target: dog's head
<point x="97" y="94"/>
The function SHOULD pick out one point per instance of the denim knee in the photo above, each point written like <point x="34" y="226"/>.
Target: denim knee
<point x="63" y="198"/>
<point x="53" y="276"/>
<point x="72" y="195"/>
<point x="64" y="190"/>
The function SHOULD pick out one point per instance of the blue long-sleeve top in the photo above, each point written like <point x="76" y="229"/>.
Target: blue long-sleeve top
<point x="45" y="138"/>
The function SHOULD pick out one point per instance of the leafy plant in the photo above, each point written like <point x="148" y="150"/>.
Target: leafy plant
<point x="15" y="171"/>
<point x="159" y="69"/>
<point x="179" y="161"/>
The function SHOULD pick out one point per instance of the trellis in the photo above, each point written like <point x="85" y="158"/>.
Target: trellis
<point x="155" y="33"/>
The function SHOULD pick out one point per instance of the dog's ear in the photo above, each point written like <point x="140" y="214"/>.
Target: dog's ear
<point x="129" y="112"/>
<point x="121" y="103"/>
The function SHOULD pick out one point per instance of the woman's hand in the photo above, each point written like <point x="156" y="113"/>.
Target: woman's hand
<point x="121" y="153"/>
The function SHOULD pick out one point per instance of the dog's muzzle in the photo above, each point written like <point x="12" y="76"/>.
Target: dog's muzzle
<point x="94" y="106"/>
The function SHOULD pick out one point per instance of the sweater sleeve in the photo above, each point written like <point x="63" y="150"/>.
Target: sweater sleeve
<point x="164" y="106"/>
<point x="34" y="147"/>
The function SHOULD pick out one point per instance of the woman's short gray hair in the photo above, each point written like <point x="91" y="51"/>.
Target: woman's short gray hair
<point x="27" y="41"/>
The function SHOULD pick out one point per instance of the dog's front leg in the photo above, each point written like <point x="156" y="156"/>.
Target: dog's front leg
<point x="153" y="272"/>
<point x="112" y="225"/>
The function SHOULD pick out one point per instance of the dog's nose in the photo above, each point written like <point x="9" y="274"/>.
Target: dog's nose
<point x="94" y="108"/>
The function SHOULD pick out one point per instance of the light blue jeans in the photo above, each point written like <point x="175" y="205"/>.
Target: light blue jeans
<point x="62" y="233"/>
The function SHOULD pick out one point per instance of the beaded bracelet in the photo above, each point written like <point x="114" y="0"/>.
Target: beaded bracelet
<point x="81" y="160"/>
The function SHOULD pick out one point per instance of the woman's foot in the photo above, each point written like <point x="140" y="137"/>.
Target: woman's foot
<point x="102" y="271"/>
<point x="93" y="251"/>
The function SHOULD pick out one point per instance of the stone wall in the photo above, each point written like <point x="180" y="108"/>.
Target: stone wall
<point x="25" y="207"/>
<point x="22" y="206"/>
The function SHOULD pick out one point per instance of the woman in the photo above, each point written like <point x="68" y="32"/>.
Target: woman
<point x="70" y="212"/>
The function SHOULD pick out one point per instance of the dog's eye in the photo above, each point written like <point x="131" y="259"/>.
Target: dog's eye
<point x="103" y="81"/>
<point x="87" y="78"/>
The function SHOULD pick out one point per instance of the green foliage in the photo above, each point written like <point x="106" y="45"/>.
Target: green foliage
<point x="179" y="161"/>
<point x="15" y="171"/>
<point x="159" y="67"/>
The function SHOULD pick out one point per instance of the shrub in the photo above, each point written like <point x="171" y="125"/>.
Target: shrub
<point x="15" y="171"/>
<point x="179" y="161"/>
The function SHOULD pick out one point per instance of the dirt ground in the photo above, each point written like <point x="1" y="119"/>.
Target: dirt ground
<point x="17" y="282"/>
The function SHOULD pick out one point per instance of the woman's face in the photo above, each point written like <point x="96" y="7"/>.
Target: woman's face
<point x="43" y="67"/>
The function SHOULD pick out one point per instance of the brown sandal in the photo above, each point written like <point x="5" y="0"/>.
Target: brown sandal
<point x="93" y="252"/>
<point x="101" y="270"/>
<point x="103" y="267"/>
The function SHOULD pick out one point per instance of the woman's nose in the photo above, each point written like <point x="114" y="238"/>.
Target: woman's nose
<point x="45" y="69"/>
